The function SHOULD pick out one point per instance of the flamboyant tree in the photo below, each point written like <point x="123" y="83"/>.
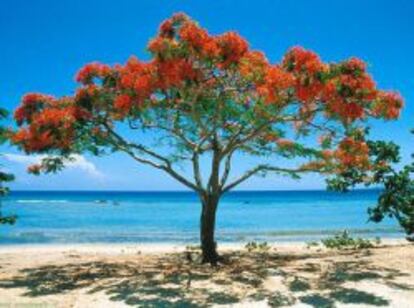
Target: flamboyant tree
<point x="202" y="100"/>
<point x="4" y="176"/>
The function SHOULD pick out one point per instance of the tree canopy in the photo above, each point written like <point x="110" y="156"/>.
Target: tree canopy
<point x="206" y="91"/>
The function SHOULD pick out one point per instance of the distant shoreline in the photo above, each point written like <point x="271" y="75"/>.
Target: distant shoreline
<point x="148" y="248"/>
<point x="151" y="237"/>
<point x="187" y="191"/>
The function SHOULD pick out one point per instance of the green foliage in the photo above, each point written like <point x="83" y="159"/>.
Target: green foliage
<point x="312" y="244"/>
<point x="4" y="177"/>
<point x="396" y="200"/>
<point x="345" y="241"/>
<point x="192" y="248"/>
<point x="257" y="247"/>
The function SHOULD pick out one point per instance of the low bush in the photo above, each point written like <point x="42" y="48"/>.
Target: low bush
<point x="257" y="247"/>
<point x="345" y="241"/>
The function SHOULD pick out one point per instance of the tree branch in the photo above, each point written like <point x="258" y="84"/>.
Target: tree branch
<point x="125" y="146"/>
<point x="258" y="169"/>
<point x="196" y="169"/>
<point x="227" y="168"/>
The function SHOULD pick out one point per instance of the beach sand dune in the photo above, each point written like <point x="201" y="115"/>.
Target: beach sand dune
<point x="170" y="276"/>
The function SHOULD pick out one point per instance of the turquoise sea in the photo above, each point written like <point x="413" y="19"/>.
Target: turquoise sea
<point x="173" y="217"/>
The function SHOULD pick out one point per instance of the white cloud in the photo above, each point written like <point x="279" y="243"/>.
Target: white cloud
<point x="23" y="159"/>
<point x="78" y="162"/>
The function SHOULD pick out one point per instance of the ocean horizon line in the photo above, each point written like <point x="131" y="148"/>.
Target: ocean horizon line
<point x="190" y="191"/>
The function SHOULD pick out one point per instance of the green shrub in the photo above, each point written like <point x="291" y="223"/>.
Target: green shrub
<point x="257" y="247"/>
<point x="345" y="241"/>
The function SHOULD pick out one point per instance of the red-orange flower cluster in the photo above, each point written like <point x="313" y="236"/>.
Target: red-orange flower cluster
<point x="276" y="82"/>
<point x="350" y="91"/>
<point x="123" y="104"/>
<point x="300" y="60"/>
<point x="31" y="103"/>
<point x="352" y="153"/>
<point x="183" y="35"/>
<point x="51" y="123"/>
<point x="95" y="69"/>
<point x="388" y="105"/>
<point x="160" y="45"/>
<point x="354" y="65"/>
<point x="167" y="28"/>
<point x="138" y="78"/>
<point x="233" y="48"/>
<point x="199" y="40"/>
<point x="307" y="67"/>
<point x="141" y="79"/>
<point x="172" y="73"/>
<point x="253" y="66"/>
<point x="135" y="71"/>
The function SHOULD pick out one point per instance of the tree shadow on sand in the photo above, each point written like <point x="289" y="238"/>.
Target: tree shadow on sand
<point x="167" y="282"/>
<point x="173" y="281"/>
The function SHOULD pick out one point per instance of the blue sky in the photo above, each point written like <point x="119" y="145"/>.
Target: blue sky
<point x="43" y="43"/>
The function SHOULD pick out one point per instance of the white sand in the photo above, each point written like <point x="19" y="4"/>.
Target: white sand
<point x="116" y="275"/>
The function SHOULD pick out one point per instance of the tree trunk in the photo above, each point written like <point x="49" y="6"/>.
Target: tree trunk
<point x="207" y="226"/>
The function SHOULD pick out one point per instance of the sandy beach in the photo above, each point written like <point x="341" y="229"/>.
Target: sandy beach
<point x="167" y="275"/>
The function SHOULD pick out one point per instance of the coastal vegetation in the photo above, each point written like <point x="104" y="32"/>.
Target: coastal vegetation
<point x="396" y="198"/>
<point x="202" y="101"/>
<point x="345" y="241"/>
<point x="4" y="176"/>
